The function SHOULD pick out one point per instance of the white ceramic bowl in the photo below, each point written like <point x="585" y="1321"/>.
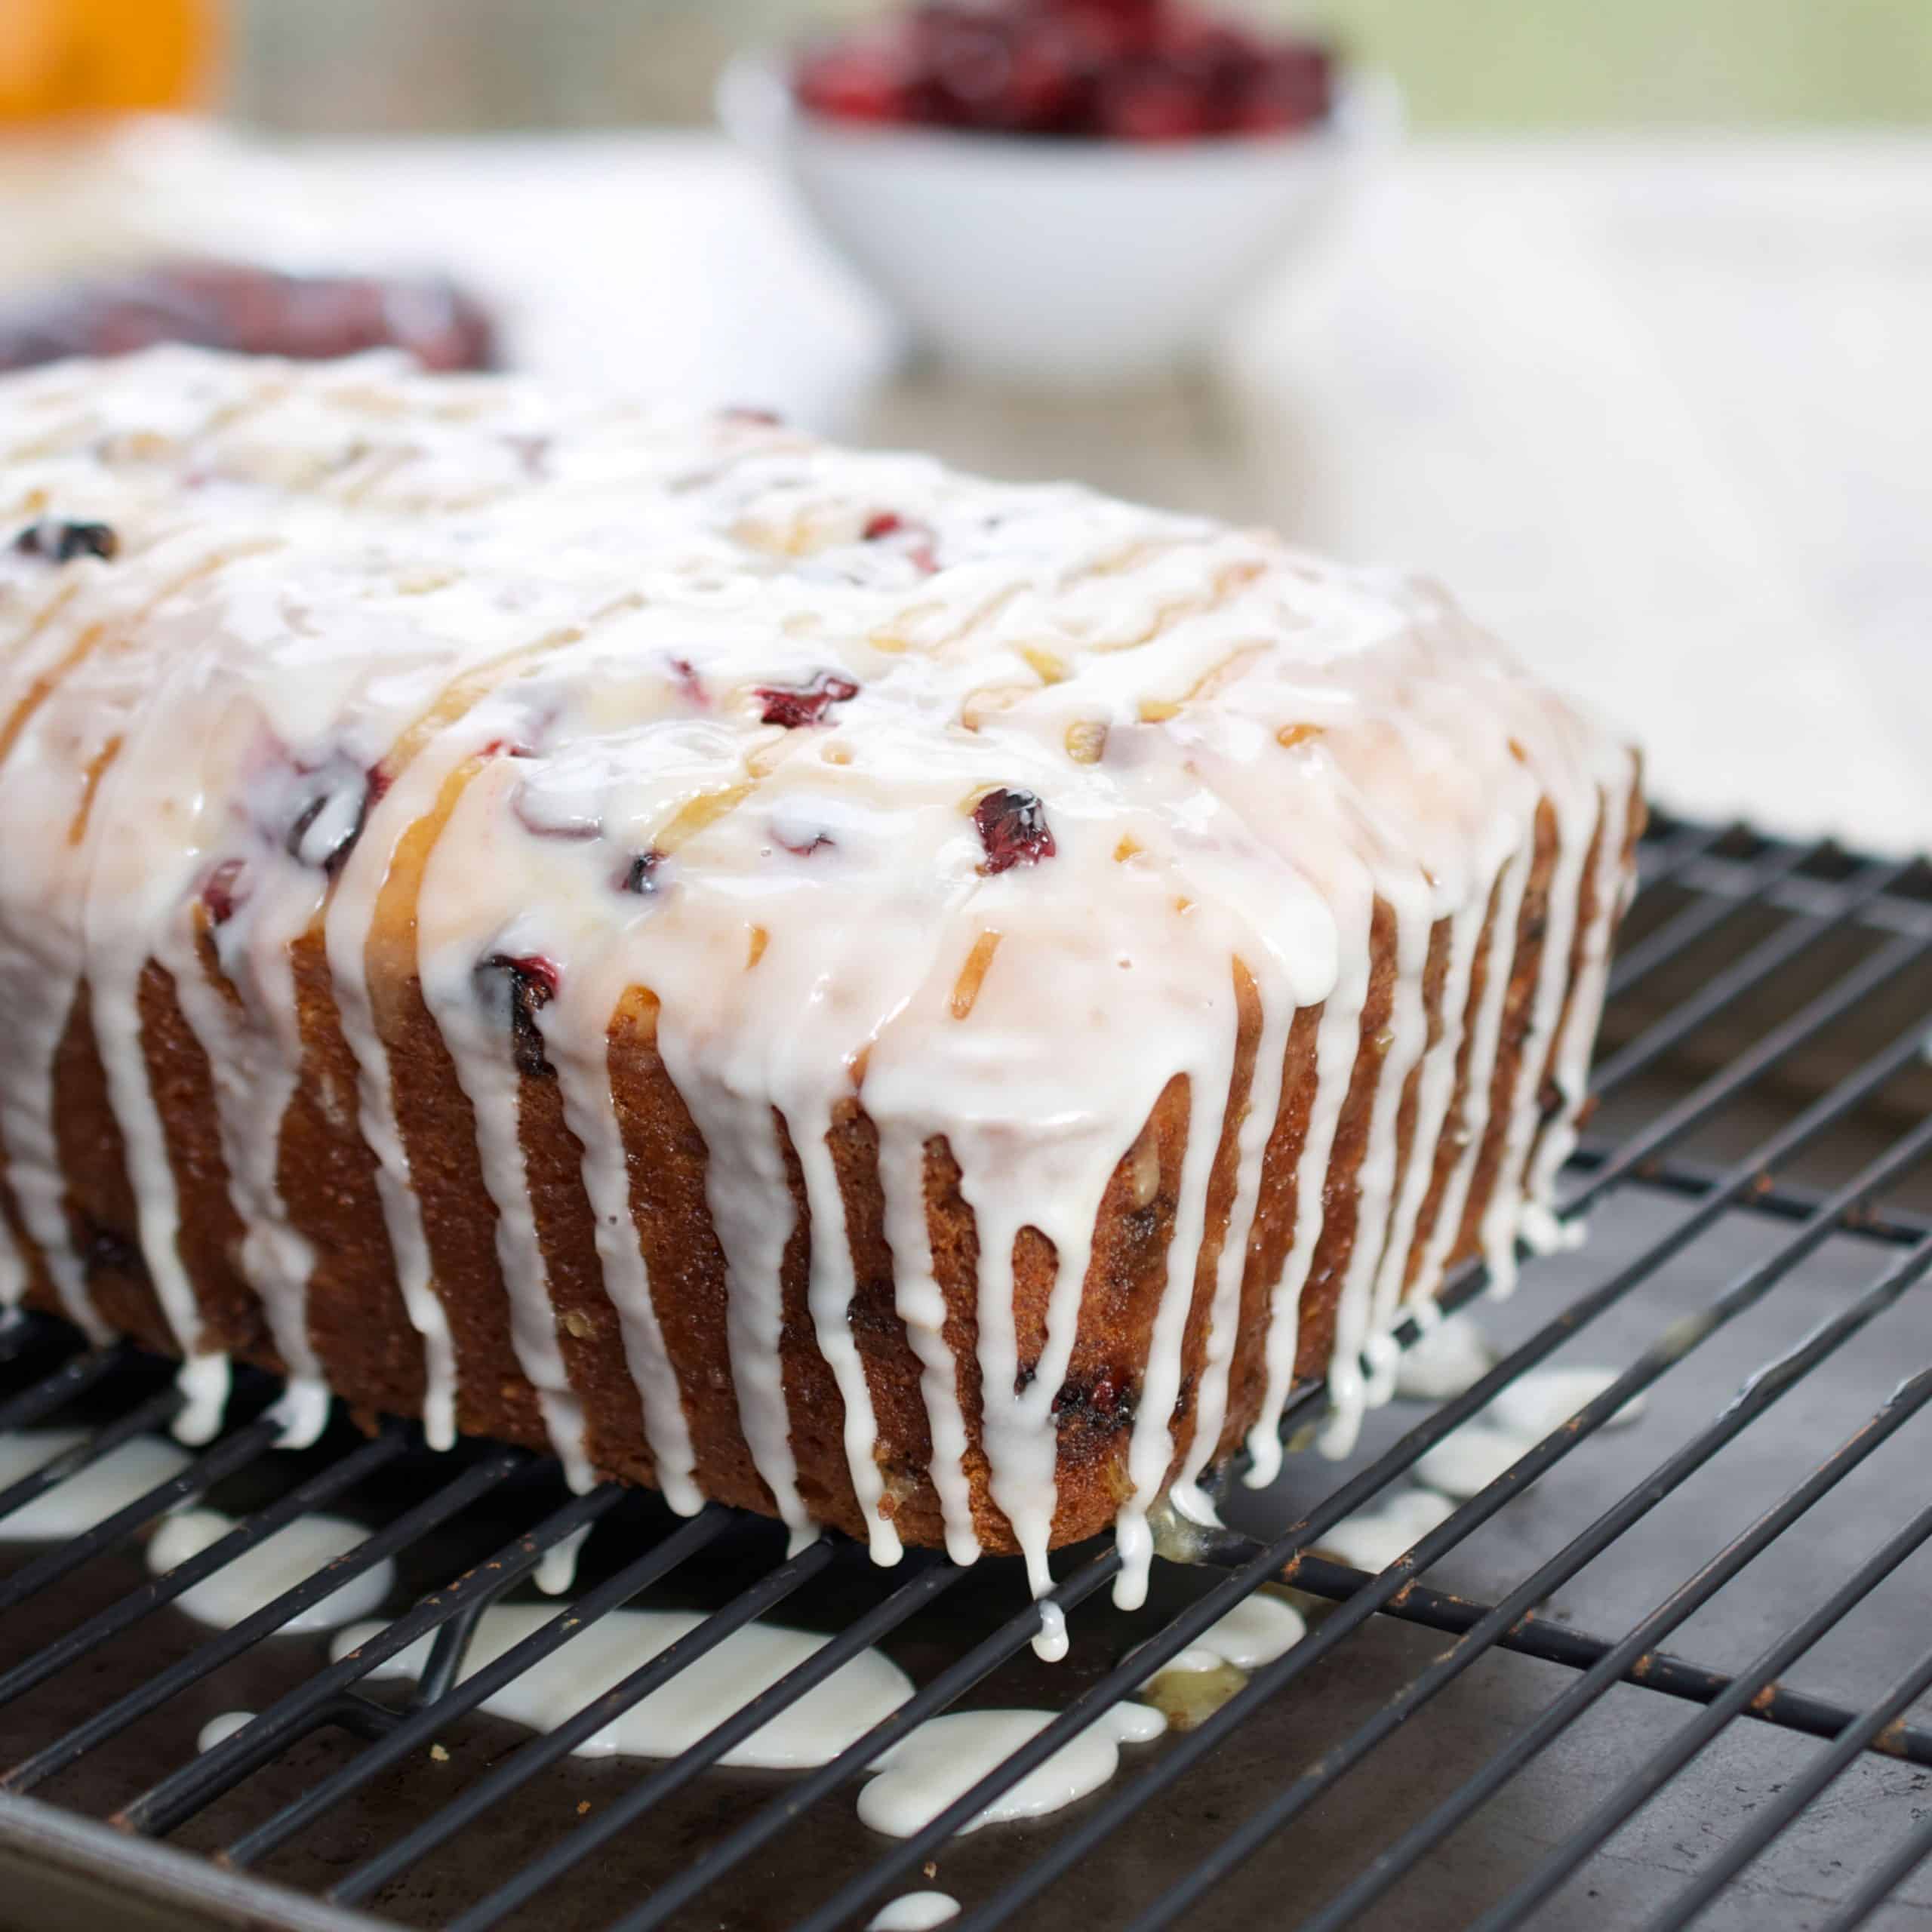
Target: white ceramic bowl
<point x="1056" y="264"/>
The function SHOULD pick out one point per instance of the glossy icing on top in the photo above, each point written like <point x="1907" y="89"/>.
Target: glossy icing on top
<point x="971" y="799"/>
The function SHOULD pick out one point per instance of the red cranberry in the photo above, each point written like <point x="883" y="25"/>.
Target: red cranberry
<point x="1102" y="1401"/>
<point x="1140" y="70"/>
<point x="919" y="537"/>
<point x="1291" y="88"/>
<point x="689" y="682"/>
<point x="1108" y="30"/>
<point x="221" y="891"/>
<point x="855" y="80"/>
<point x="812" y="841"/>
<point x="793" y="705"/>
<point x="1148" y="104"/>
<point x="62" y="543"/>
<point x="532" y="982"/>
<point x="1048" y="82"/>
<point x="1014" y="830"/>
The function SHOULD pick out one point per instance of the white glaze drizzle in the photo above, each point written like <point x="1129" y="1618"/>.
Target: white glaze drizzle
<point x="351" y="911"/>
<point x="41" y="968"/>
<point x="1435" y="1089"/>
<point x="1337" y="1038"/>
<point x="1372" y="1539"/>
<point x="1470" y="1458"/>
<point x="832" y="1715"/>
<point x="914" y="1911"/>
<point x="221" y="1728"/>
<point x="1263" y="1104"/>
<point x="1536" y="1405"/>
<point x="1503" y="1218"/>
<point x="1613" y="887"/>
<point x="1350" y="1389"/>
<point x="1451" y="1355"/>
<point x="1258" y="1630"/>
<point x="578" y="1047"/>
<point x="1476" y="1098"/>
<point x="108" y="1482"/>
<point x="919" y="1303"/>
<point x="829" y="1291"/>
<point x="605" y="592"/>
<point x="943" y="1759"/>
<point x="478" y="1033"/>
<point x="246" y="1583"/>
<point x="555" y="1574"/>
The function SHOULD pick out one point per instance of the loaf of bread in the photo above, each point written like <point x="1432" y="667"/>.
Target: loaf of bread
<point x="790" y="976"/>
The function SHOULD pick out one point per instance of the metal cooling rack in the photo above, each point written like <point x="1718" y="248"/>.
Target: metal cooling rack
<point x="1763" y="1107"/>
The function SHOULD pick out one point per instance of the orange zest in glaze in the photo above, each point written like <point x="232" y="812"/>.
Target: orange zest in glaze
<point x="972" y="975"/>
<point x="96" y="770"/>
<point x="1085" y="740"/>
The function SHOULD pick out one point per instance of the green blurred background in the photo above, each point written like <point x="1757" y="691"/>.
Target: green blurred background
<point x="329" y="65"/>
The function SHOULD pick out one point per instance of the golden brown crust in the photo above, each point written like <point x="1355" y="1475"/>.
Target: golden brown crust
<point x="358" y="1324"/>
<point x="372" y="1356"/>
<point x="1453" y="1135"/>
<point x="1518" y="1003"/>
<point x="1340" y="1197"/>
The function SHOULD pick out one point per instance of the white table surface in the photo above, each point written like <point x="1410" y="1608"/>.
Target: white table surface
<point x="1661" y="414"/>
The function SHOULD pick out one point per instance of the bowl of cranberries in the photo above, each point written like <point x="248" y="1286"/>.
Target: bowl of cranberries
<point x="1057" y="192"/>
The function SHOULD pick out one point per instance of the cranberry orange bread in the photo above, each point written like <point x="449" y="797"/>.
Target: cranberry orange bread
<point x="789" y="976"/>
<point x="256" y="311"/>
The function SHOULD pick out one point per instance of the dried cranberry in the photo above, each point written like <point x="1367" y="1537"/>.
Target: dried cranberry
<point x="890" y="523"/>
<point x="219" y="893"/>
<point x="1103" y="1401"/>
<point x="743" y="412"/>
<point x="793" y="705"/>
<point x="1139" y="70"/>
<point x="1292" y="86"/>
<point x="689" y="682"/>
<point x="1049" y="79"/>
<point x="532" y="983"/>
<point x="640" y="875"/>
<point x="856" y="80"/>
<point x="62" y="543"/>
<point x="813" y="841"/>
<point x="1014" y="830"/>
<point x="1148" y="104"/>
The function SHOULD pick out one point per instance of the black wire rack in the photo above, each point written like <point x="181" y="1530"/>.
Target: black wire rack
<point x="1759" y="1224"/>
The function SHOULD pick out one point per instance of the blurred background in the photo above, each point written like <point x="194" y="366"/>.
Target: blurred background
<point x="1613" y="318"/>
<point x="474" y="64"/>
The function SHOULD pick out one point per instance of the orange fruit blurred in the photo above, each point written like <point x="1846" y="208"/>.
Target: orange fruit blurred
<point x="61" y="57"/>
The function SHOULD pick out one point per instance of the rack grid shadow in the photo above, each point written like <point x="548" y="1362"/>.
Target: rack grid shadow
<point x="1655" y="1674"/>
